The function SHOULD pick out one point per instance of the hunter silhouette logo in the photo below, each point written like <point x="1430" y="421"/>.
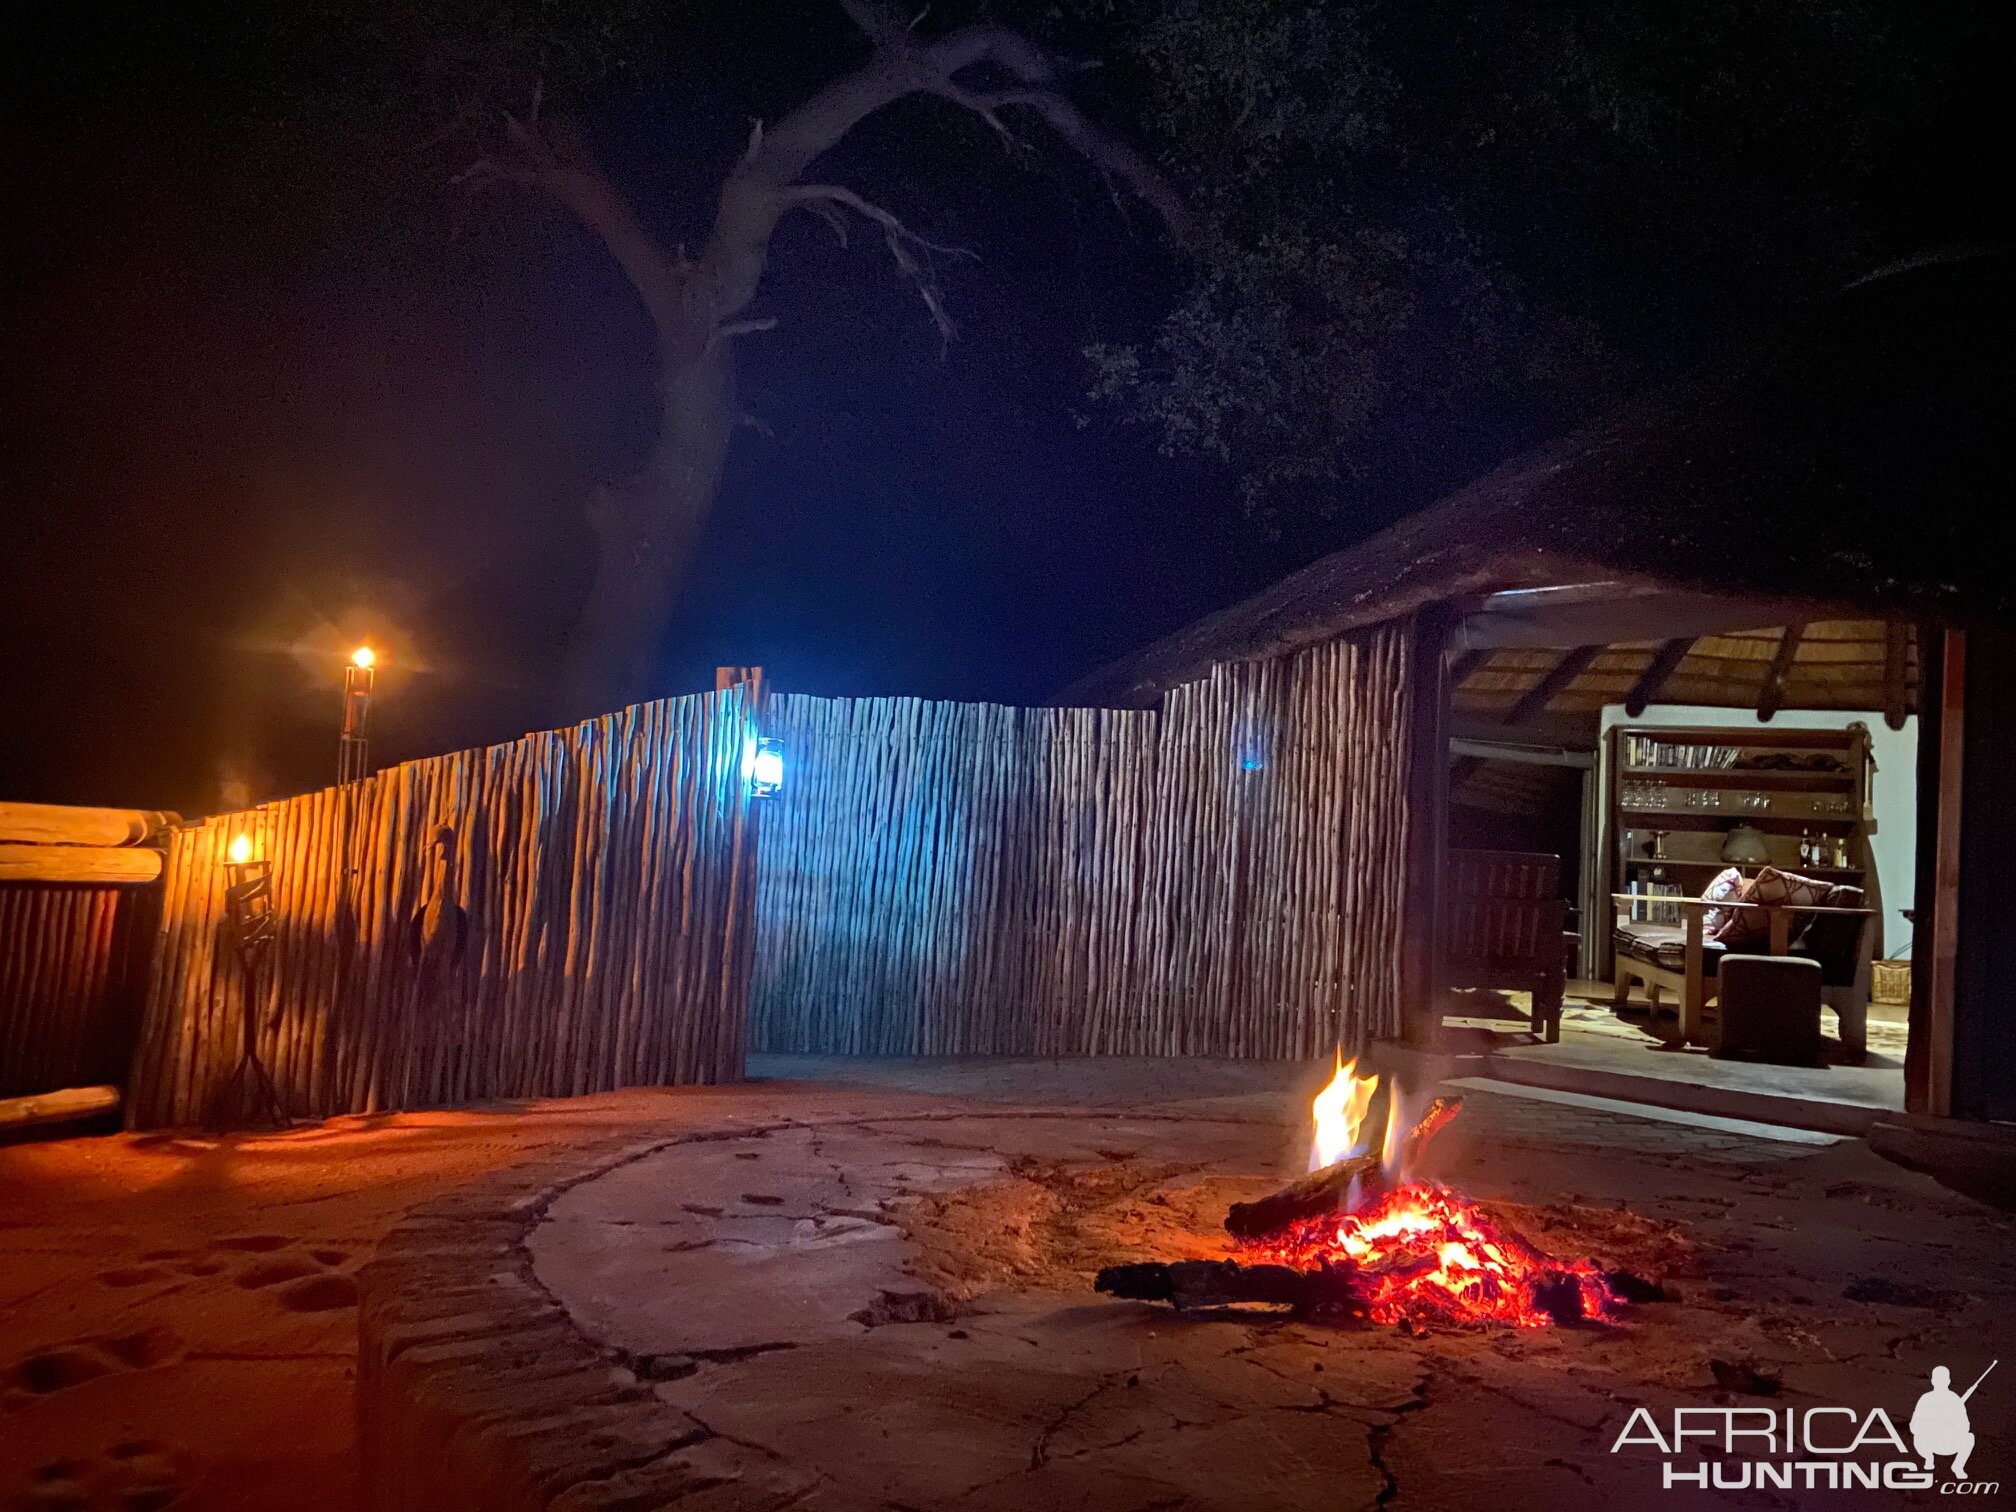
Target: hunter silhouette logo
<point x="1939" y="1422"/>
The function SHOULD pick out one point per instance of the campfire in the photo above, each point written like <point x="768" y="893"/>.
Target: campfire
<point x="1360" y="1238"/>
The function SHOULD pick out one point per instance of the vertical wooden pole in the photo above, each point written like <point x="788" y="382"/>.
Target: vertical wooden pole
<point x="1428" y="822"/>
<point x="1929" y="1069"/>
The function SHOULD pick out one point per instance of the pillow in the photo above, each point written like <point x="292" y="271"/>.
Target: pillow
<point x="1728" y="885"/>
<point x="1772" y="887"/>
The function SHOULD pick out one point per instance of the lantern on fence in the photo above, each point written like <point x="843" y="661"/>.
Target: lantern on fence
<point x="766" y="769"/>
<point x="248" y="1097"/>
<point x="248" y="900"/>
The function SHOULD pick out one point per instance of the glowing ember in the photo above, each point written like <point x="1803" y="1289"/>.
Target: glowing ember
<point x="1422" y="1253"/>
<point x="1338" y="1112"/>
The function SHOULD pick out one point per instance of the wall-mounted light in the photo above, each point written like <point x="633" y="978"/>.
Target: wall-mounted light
<point x="766" y="769"/>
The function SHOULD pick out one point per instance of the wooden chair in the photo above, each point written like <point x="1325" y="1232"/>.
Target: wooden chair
<point x="1680" y="958"/>
<point x="1502" y="928"/>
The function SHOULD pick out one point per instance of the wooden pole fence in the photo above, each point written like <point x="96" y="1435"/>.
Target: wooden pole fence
<point x="563" y="914"/>
<point x="1224" y="876"/>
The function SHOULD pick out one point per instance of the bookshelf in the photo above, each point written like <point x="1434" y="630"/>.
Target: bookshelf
<point x="1679" y="791"/>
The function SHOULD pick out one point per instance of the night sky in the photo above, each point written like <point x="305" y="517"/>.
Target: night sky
<point x="262" y="407"/>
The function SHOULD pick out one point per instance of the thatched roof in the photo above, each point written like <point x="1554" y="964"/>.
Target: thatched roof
<point x="1858" y="466"/>
<point x="1834" y="664"/>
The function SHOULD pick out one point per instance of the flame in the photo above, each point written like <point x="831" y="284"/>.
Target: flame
<point x="241" y="848"/>
<point x="1338" y="1112"/>
<point x="1394" y="1144"/>
<point x="364" y="658"/>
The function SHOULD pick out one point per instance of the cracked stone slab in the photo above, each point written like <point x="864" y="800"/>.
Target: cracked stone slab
<point x="754" y="1319"/>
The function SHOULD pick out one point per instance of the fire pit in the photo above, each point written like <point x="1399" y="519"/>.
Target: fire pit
<point x="1360" y="1239"/>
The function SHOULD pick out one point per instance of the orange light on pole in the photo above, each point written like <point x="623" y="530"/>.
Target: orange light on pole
<point x="353" y="752"/>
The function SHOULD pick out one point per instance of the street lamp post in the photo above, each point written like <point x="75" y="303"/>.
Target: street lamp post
<point x="360" y="677"/>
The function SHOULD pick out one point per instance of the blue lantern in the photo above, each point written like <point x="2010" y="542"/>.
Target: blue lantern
<point x="766" y="769"/>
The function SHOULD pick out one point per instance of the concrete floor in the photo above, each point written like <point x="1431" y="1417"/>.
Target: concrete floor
<point x="887" y="1304"/>
<point x="898" y="1309"/>
<point x="1595" y="1039"/>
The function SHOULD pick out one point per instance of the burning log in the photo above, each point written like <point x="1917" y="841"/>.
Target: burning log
<point x="1330" y="1190"/>
<point x="1335" y="1290"/>
<point x="1188" y="1284"/>
<point x="1432" y="1121"/>
<point x="1314" y="1196"/>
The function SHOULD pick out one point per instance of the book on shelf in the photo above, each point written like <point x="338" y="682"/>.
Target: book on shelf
<point x="1647" y="907"/>
<point x="1645" y="751"/>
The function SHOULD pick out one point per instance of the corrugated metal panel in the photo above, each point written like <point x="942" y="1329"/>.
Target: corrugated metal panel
<point x="71" y="959"/>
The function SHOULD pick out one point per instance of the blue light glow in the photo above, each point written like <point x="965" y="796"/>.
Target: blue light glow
<point x="766" y="769"/>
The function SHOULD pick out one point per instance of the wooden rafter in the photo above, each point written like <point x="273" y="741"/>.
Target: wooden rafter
<point x="1772" y="698"/>
<point x="1664" y="662"/>
<point x="1536" y="698"/>
<point x="1896" y="674"/>
<point x="1464" y="665"/>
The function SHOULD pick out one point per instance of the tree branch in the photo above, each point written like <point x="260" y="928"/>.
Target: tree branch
<point x="693" y="304"/>
<point x="556" y="162"/>
<point x="778" y="156"/>
<point x="820" y="199"/>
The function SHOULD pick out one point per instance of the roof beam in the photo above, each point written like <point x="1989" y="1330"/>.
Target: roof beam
<point x="1536" y="698"/>
<point x="1464" y="665"/>
<point x="1665" y="661"/>
<point x="1896" y="679"/>
<point x="1772" y="699"/>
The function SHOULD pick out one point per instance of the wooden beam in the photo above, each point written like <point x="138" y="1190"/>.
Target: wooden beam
<point x="56" y="1107"/>
<point x="1665" y="662"/>
<point x="1896" y="674"/>
<point x="61" y="824"/>
<point x="1464" y="665"/>
<point x="78" y="863"/>
<point x="1427" y="841"/>
<point x="1535" y="699"/>
<point x="1945" y="902"/>
<point x="1772" y="699"/>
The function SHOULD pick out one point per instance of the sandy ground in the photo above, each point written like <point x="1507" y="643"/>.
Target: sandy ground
<point x="177" y="1320"/>
<point x="177" y="1314"/>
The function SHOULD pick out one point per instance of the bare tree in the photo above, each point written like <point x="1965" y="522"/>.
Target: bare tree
<point x="648" y="525"/>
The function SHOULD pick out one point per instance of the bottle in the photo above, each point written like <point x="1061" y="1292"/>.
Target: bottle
<point x="1807" y="854"/>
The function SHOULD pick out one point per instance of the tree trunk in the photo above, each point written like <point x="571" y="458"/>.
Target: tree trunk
<point x="647" y="529"/>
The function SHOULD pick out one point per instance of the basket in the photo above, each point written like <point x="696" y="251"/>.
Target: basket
<point x="1890" y="982"/>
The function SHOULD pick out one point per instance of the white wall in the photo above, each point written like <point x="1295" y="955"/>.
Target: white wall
<point x="1893" y="794"/>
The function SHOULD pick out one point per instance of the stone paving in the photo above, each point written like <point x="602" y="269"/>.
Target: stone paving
<point x="884" y="1302"/>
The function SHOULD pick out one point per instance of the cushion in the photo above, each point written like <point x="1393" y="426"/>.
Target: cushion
<point x="1728" y="885"/>
<point x="1773" y="888"/>
<point x="1663" y="945"/>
